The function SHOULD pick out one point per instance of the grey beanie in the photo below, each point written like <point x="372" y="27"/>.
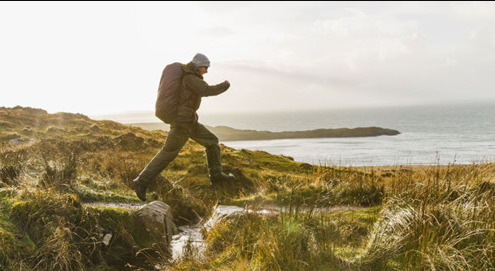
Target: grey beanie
<point x="201" y="60"/>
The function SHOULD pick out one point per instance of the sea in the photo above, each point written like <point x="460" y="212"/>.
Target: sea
<point x="429" y="134"/>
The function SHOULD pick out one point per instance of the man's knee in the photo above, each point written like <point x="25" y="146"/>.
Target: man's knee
<point x="211" y="144"/>
<point x="214" y="140"/>
<point x="174" y="143"/>
<point x="210" y="140"/>
<point x="205" y="137"/>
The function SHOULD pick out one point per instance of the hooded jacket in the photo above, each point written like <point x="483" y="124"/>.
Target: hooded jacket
<point x="193" y="88"/>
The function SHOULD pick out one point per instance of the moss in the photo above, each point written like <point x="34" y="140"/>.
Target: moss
<point x="130" y="244"/>
<point x="66" y="233"/>
<point x="104" y="193"/>
<point x="14" y="244"/>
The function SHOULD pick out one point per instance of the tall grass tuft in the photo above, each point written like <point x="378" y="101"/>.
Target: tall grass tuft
<point x="59" y="162"/>
<point x="11" y="165"/>
<point x="440" y="220"/>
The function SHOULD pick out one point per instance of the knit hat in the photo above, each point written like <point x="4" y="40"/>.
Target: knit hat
<point x="201" y="60"/>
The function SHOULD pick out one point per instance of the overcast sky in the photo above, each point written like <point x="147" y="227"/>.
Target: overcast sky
<point x="107" y="57"/>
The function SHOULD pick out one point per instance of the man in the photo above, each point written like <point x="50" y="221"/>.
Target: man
<point x="186" y="126"/>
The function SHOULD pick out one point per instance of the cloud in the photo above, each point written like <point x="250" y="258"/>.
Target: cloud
<point x="474" y="10"/>
<point x="217" y="31"/>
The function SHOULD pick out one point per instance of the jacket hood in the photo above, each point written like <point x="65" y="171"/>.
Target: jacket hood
<point x="190" y="68"/>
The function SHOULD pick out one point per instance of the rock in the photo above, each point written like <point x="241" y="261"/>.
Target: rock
<point x="21" y="140"/>
<point x="156" y="220"/>
<point x="106" y="239"/>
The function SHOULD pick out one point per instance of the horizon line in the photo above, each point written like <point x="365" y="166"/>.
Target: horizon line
<point x="436" y="103"/>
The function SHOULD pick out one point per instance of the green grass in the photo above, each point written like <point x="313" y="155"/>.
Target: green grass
<point x="14" y="244"/>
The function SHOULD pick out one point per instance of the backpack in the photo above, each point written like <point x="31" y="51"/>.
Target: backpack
<point x="168" y="97"/>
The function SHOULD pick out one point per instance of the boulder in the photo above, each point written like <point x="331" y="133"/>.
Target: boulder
<point x="155" y="223"/>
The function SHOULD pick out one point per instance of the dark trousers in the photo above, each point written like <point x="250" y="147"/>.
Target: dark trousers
<point x="176" y="139"/>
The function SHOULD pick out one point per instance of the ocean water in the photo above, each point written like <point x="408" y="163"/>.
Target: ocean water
<point x="434" y="134"/>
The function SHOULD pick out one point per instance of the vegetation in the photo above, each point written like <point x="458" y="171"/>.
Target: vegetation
<point x="334" y="218"/>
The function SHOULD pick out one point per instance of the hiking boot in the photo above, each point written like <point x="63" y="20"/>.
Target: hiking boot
<point x="140" y="189"/>
<point x="220" y="178"/>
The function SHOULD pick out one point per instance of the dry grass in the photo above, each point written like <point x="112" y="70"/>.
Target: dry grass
<point x="440" y="218"/>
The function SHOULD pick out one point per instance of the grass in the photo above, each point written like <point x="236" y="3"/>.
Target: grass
<point x="432" y="218"/>
<point x="288" y="241"/>
<point x="389" y="218"/>
<point x="440" y="219"/>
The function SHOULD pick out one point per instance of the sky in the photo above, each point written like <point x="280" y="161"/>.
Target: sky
<point x="99" y="58"/>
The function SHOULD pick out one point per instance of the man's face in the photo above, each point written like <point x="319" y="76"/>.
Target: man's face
<point x="202" y="70"/>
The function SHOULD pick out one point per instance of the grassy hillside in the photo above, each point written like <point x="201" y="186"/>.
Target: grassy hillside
<point x="402" y="218"/>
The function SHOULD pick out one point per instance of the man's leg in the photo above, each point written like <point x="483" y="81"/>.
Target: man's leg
<point x="210" y="141"/>
<point x="176" y="139"/>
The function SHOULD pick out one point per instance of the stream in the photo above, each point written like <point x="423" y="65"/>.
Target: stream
<point x="189" y="240"/>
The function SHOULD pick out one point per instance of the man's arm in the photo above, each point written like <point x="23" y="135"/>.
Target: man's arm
<point x="201" y="88"/>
